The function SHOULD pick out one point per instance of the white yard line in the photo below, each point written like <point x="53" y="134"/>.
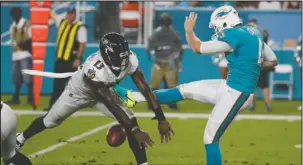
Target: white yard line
<point x="72" y="139"/>
<point x="179" y="115"/>
<point x="147" y="115"/>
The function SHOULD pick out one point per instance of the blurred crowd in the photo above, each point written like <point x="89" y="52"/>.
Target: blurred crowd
<point x="164" y="46"/>
<point x="129" y="14"/>
<point x="263" y="5"/>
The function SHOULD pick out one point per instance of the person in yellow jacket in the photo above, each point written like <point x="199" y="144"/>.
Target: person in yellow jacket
<point x="70" y="45"/>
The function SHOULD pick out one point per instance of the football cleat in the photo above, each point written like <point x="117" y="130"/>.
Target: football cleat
<point x="19" y="144"/>
<point x="125" y="95"/>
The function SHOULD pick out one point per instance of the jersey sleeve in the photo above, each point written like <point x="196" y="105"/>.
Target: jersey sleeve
<point x="231" y="37"/>
<point x="133" y="62"/>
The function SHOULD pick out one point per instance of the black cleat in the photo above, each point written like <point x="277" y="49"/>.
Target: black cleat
<point x="268" y="108"/>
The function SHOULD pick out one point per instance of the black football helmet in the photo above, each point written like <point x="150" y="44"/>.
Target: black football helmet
<point x="115" y="52"/>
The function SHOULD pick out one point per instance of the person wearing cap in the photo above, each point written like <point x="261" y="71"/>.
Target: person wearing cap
<point x="264" y="74"/>
<point x="20" y="33"/>
<point x="70" y="45"/>
<point x="165" y="46"/>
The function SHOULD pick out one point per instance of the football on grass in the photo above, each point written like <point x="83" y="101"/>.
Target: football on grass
<point x="115" y="135"/>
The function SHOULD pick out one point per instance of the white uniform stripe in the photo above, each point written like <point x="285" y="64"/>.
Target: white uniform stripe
<point x="178" y="115"/>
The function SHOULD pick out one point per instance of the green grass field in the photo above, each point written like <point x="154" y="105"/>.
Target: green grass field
<point x="264" y="142"/>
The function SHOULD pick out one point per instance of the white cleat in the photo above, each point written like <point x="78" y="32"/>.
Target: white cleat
<point x="300" y="108"/>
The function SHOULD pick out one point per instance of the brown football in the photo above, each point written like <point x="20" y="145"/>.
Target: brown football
<point x="115" y="135"/>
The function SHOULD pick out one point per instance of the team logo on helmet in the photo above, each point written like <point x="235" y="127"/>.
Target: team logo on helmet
<point x="223" y="13"/>
<point x="91" y="74"/>
<point x="107" y="46"/>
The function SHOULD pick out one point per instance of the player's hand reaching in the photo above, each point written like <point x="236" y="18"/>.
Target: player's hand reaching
<point x="165" y="130"/>
<point x="190" y="22"/>
<point x="143" y="138"/>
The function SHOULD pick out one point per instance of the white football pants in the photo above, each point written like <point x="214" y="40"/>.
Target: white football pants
<point x="8" y="132"/>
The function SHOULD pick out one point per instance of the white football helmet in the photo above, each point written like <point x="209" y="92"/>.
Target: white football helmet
<point x="224" y="17"/>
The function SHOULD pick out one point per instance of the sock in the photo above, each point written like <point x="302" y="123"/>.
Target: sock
<point x="139" y="153"/>
<point x="36" y="127"/>
<point x="170" y="95"/>
<point x="21" y="138"/>
<point x="18" y="159"/>
<point x="213" y="154"/>
<point x="144" y="163"/>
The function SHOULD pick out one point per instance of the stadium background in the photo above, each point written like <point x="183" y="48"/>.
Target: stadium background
<point x="258" y="138"/>
<point x="288" y="26"/>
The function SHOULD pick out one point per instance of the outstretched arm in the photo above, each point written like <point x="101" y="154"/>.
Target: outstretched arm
<point x="163" y="125"/>
<point x="199" y="47"/>
<point x="143" y="87"/>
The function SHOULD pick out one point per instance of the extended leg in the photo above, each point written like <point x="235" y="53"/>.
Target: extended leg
<point x="65" y="106"/>
<point x="203" y="91"/>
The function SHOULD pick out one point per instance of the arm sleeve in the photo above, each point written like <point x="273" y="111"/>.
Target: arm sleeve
<point x="269" y="55"/>
<point x="214" y="47"/>
<point x="82" y="34"/>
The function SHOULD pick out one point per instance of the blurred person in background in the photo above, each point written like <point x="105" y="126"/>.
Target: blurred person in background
<point x="165" y="46"/>
<point x="298" y="59"/>
<point x="270" y="5"/>
<point x="247" y="4"/>
<point x="264" y="74"/>
<point x="189" y="4"/>
<point x="165" y="4"/>
<point x="215" y="4"/>
<point x="20" y="32"/>
<point x="291" y="5"/>
<point x="106" y="18"/>
<point x="71" y="40"/>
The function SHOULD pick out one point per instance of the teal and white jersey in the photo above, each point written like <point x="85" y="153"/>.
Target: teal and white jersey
<point x="244" y="62"/>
